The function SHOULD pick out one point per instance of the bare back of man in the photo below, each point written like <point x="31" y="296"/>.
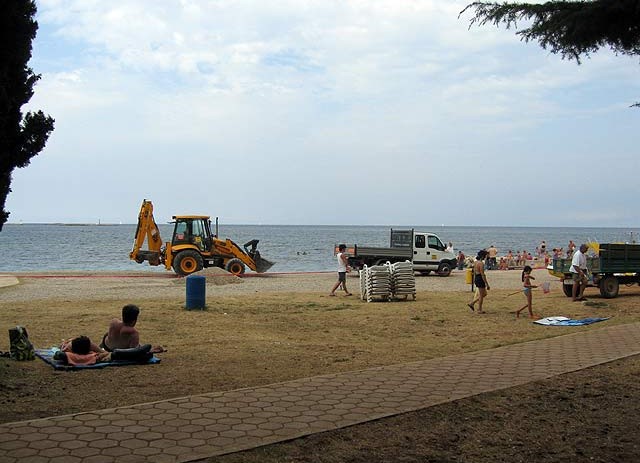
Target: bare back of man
<point x="121" y="336"/>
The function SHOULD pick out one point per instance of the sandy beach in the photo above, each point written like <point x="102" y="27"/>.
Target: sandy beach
<point x="278" y="327"/>
<point x="137" y="286"/>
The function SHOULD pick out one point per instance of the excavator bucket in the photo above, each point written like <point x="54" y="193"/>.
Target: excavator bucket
<point x="262" y="265"/>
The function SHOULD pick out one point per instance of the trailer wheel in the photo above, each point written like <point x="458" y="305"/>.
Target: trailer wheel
<point x="444" y="270"/>
<point x="187" y="262"/>
<point x="609" y="287"/>
<point x="567" y="290"/>
<point x="235" y="266"/>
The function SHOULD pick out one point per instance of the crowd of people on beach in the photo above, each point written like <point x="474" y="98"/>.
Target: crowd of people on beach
<point x="487" y="259"/>
<point x="518" y="259"/>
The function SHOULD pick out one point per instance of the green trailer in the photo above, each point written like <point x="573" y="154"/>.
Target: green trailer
<point x="614" y="265"/>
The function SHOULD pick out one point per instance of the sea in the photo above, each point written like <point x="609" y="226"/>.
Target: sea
<point x="293" y="248"/>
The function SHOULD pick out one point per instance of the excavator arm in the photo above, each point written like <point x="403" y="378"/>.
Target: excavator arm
<point x="228" y="249"/>
<point x="250" y="257"/>
<point x="147" y="230"/>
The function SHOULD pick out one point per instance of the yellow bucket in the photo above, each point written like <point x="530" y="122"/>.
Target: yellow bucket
<point x="468" y="278"/>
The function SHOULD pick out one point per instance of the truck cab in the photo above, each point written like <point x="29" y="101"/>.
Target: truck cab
<point x="429" y="252"/>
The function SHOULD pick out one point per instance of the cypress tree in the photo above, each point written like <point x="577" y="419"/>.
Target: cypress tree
<point x="21" y="136"/>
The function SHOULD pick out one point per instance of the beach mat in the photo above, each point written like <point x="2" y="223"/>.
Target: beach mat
<point x="47" y="356"/>
<point x="565" y="321"/>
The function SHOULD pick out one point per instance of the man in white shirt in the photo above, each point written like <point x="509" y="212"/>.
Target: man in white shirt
<point x="343" y="268"/>
<point x="579" y="272"/>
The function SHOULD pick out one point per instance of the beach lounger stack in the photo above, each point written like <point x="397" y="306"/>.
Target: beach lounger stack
<point x="375" y="283"/>
<point x="403" y="280"/>
<point x="363" y="283"/>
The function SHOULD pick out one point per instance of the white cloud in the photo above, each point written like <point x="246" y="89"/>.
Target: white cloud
<point x="247" y="100"/>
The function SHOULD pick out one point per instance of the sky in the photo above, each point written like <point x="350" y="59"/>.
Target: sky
<point x="337" y="112"/>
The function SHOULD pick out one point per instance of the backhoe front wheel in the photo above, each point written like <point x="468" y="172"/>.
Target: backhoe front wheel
<point x="187" y="262"/>
<point x="235" y="266"/>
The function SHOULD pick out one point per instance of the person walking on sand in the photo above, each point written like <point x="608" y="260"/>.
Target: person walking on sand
<point x="343" y="268"/>
<point x="480" y="280"/>
<point x="526" y="289"/>
<point x="579" y="272"/>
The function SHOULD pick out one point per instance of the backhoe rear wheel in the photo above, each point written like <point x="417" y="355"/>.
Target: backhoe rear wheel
<point x="235" y="266"/>
<point x="187" y="262"/>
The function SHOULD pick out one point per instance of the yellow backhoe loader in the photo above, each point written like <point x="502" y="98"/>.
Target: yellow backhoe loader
<point x="192" y="247"/>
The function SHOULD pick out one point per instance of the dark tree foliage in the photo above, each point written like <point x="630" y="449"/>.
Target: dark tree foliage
<point x="569" y="28"/>
<point x="21" y="137"/>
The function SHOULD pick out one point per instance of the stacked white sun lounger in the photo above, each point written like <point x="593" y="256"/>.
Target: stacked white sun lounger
<point x="403" y="280"/>
<point x="375" y="283"/>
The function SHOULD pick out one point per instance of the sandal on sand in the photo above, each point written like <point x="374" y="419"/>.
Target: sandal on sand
<point x="471" y="307"/>
<point x="349" y="294"/>
<point x="333" y="295"/>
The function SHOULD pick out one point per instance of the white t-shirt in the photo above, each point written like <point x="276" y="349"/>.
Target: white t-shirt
<point x="578" y="260"/>
<point x="342" y="267"/>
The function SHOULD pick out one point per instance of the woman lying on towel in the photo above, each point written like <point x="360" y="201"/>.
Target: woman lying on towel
<point x="82" y="351"/>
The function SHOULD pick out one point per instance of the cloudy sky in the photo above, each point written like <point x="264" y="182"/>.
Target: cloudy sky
<point x="389" y="112"/>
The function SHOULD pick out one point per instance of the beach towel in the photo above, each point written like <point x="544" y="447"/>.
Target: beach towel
<point x="565" y="321"/>
<point x="47" y="356"/>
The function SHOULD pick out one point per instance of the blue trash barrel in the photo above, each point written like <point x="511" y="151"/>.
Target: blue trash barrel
<point x="196" y="292"/>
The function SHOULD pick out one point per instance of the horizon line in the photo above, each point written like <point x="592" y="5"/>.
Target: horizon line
<point x="100" y="224"/>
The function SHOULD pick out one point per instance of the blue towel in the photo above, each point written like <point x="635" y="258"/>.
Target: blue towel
<point x="564" y="321"/>
<point x="47" y="356"/>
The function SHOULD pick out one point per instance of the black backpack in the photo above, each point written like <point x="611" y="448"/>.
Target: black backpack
<point x="19" y="344"/>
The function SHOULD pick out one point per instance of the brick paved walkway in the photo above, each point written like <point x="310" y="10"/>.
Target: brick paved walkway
<point x="200" y="426"/>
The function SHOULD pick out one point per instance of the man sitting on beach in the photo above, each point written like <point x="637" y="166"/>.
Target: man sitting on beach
<point x="123" y="334"/>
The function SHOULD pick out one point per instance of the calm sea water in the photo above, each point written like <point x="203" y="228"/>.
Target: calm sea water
<point x="34" y="247"/>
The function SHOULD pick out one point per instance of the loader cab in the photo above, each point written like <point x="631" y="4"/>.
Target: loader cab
<point x="192" y="230"/>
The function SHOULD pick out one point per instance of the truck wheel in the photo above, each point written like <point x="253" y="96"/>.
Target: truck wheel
<point x="235" y="266"/>
<point x="444" y="270"/>
<point x="609" y="287"/>
<point x="187" y="262"/>
<point x="567" y="290"/>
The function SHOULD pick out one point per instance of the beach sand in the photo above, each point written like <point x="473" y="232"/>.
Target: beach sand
<point x="136" y="286"/>
<point x="278" y="327"/>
